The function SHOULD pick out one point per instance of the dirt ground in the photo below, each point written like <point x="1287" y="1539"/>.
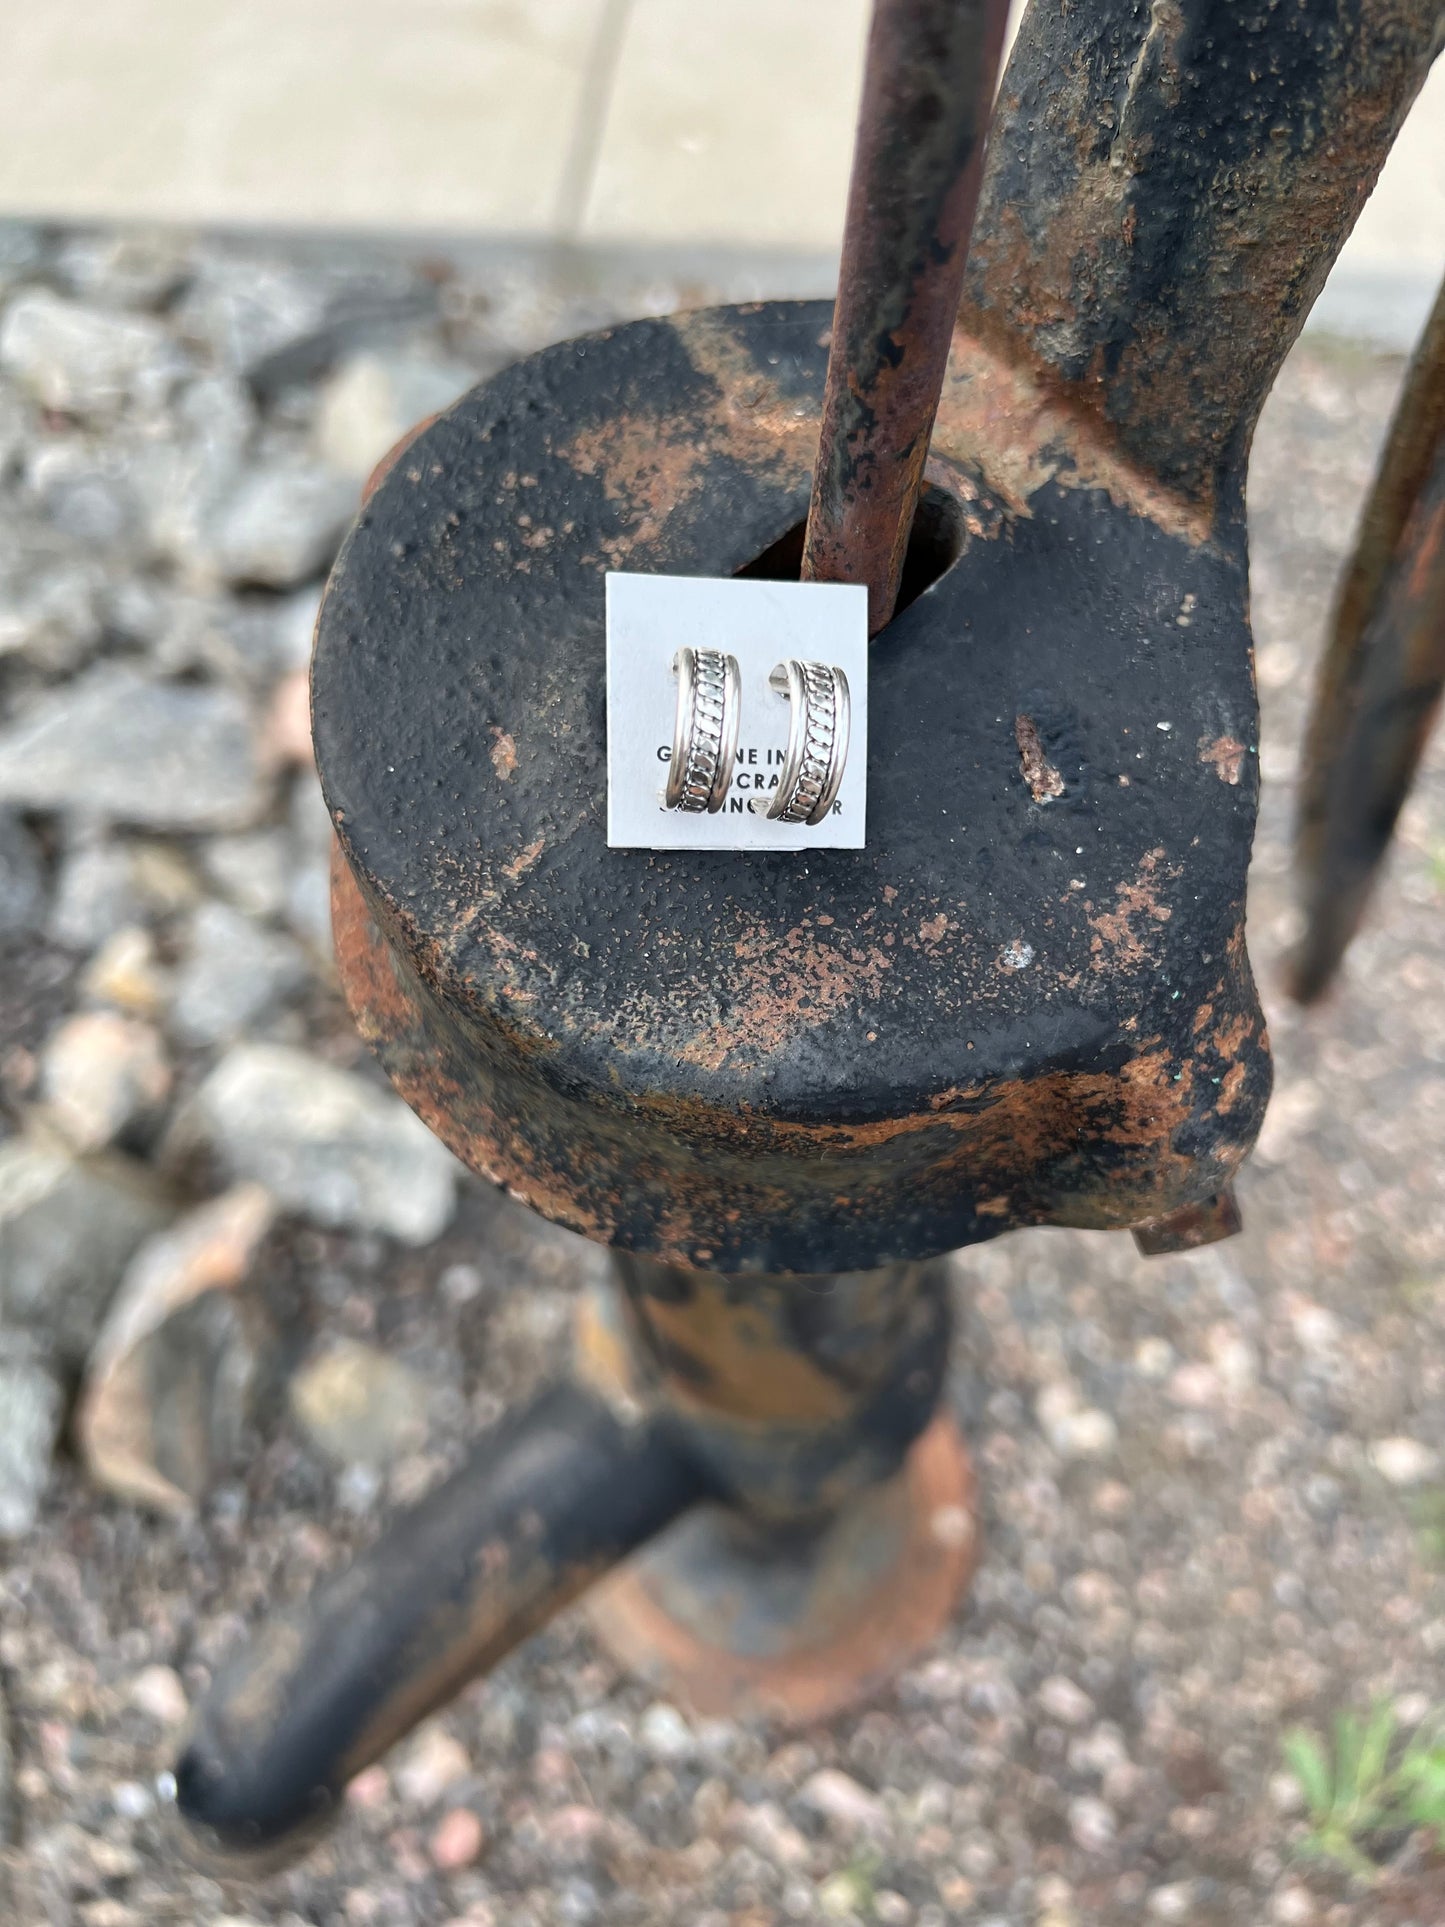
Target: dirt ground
<point x="1255" y="1546"/>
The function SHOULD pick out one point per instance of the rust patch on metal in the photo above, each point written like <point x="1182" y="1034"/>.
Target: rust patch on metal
<point x="1224" y="755"/>
<point x="525" y="860"/>
<point x="1020" y="433"/>
<point x="860" y="1629"/>
<point x="1205" y="1223"/>
<point x="1043" y="779"/>
<point x="503" y="754"/>
<point x="1123" y="937"/>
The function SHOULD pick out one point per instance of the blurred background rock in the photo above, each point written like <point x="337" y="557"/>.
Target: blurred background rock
<point x="247" y="1302"/>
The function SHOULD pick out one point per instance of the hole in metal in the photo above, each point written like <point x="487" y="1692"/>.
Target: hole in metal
<point x="934" y="545"/>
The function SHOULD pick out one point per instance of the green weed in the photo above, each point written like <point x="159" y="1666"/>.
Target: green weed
<point x="1368" y="1787"/>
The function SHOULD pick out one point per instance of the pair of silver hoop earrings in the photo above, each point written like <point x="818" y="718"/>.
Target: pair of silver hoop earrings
<point x="705" y="736"/>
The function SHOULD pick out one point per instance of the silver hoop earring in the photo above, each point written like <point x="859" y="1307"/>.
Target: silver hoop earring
<point x="817" y="740"/>
<point x="704" y="730"/>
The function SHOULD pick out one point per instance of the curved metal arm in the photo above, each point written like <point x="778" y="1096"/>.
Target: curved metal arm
<point x="547" y="1501"/>
<point x="1167" y="187"/>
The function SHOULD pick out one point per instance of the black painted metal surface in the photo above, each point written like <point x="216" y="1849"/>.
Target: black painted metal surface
<point x="990" y="1016"/>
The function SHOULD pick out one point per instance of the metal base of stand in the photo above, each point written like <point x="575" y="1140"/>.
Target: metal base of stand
<point x="726" y="1617"/>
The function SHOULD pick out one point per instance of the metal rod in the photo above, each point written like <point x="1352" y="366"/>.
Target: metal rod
<point x="546" y="1502"/>
<point x="1416" y="437"/>
<point x="928" y="89"/>
<point x="1371" y="747"/>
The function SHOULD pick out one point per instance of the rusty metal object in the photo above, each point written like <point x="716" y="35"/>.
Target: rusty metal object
<point x="1206" y="1223"/>
<point x="1027" y="1001"/>
<point x="791" y="1406"/>
<point x="999" y="1013"/>
<point x="732" y="1618"/>
<point x="1382" y="675"/>
<point x="928" y="88"/>
<point x="547" y="1501"/>
<point x="1166" y="190"/>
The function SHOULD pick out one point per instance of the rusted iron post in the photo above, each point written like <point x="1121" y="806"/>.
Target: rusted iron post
<point x="778" y="1088"/>
<point x="772" y="1408"/>
<point x="1382" y="674"/>
<point x="928" y="89"/>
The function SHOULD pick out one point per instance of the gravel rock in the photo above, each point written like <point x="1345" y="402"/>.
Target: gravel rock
<point x="432" y="1763"/>
<point x="359" y="1407"/>
<point x="125" y="973"/>
<point x="280" y="525"/>
<point x="116" y="745"/>
<point x="7" y="1775"/>
<point x="185" y="479"/>
<point x="665" y="1734"/>
<point x="22" y="881"/>
<point x="1404" y="1461"/>
<point x="68" y="1227"/>
<point x="169" y="1381"/>
<point x="141" y="268"/>
<point x="22" y="251"/>
<point x="85" y="361"/>
<point x="160" y="1695"/>
<point x="274" y="322"/>
<point x="31" y="1407"/>
<point x="328" y="1144"/>
<point x="1065" y="1702"/>
<point x="308" y="896"/>
<point x="234" y="972"/>
<point x="100" y="1072"/>
<point x="96" y="895"/>
<point x="841" y="1801"/>
<point x="50" y="600"/>
<point x="371" y="400"/>
<point x="252" y="869"/>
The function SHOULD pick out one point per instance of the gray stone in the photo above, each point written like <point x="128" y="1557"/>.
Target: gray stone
<point x="32" y="1405"/>
<point x="372" y="398"/>
<point x="280" y="525"/>
<point x="185" y="479"/>
<point x="168" y="1384"/>
<point x="22" y="881"/>
<point x="84" y="361"/>
<point x="17" y="425"/>
<point x="308" y="899"/>
<point x="22" y="251"/>
<point x="99" y="1073"/>
<point x="140" y="268"/>
<point x="49" y="598"/>
<point x="85" y="487"/>
<point x="327" y="1144"/>
<point x="359" y="1407"/>
<point x="234" y="972"/>
<point x="113" y="744"/>
<point x="252" y="869"/>
<point x="96" y="895"/>
<point x="68" y="1227"/>
<point x="276" y="323"/>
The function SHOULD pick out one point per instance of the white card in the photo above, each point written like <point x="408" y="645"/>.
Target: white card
<point x="651" y="617"/>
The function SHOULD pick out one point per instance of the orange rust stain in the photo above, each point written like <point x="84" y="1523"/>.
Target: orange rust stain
<point x="741" y="1368"/>
<point x="649" y="464"/>
<point x="997" y="416"/>
<point x="525" y="860"/>
<point x="503" y="753"/>
<point x="1043" y="779"/>
<point x="1123" y="936"/>
<point x="790" y="983"/>
<point x="1225" y="754"/>
<point x="1231" y="1086"/>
